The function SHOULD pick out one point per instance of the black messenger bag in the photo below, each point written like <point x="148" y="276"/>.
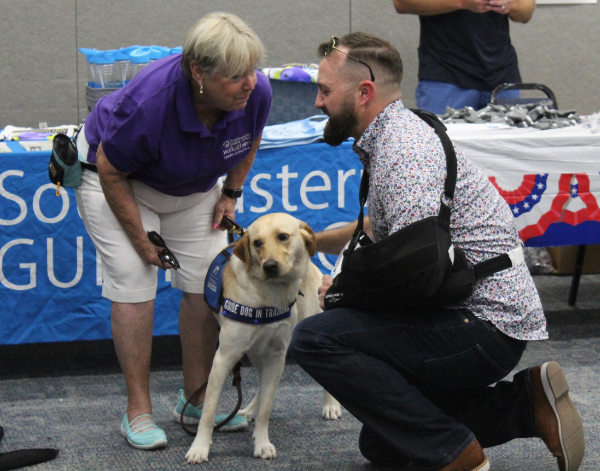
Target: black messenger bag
<point x="417" y="266"/>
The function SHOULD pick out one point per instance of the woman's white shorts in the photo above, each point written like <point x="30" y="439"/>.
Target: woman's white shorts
<point x="185" y="223"/>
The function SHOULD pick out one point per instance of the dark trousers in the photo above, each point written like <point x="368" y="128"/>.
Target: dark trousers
<point x="419" y="383"/>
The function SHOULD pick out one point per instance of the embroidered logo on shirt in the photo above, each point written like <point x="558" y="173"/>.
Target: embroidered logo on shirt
<point x="236" y="146"/>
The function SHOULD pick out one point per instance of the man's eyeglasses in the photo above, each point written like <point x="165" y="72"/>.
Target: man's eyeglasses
<point x="331" y="46"/>
<point x="165" y="254"/>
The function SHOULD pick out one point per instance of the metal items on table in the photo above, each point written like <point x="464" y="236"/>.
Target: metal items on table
<point x="522" y="112"/>
<point x="535" y="115"/>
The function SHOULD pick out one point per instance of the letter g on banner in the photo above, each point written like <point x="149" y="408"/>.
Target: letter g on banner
<point x="32" y="267"/>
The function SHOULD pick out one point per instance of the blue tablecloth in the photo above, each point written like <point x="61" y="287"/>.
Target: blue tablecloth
<point x="50" y="279"/>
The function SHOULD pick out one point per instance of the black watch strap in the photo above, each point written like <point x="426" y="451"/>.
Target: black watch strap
<point x="234" y="194"/>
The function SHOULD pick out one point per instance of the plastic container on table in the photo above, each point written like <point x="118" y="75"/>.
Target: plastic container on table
<point x="91" y="70"/>
<point x="103" y="65"/>
<point x="122" y="68"/>
<point x="139" y="58"/>
<point x="158" y="52"/>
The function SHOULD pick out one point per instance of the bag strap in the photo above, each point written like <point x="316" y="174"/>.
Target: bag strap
<point x="501" y="262"/>
<point x="76" y="134"/>
<point x="449" y="185"/>
<point x="451" y="164"/>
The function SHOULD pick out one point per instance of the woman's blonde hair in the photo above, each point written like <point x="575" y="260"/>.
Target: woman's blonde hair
<point x="221" y="44"/>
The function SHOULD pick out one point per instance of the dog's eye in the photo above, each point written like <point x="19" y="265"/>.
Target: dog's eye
<point x="258" y="243"/>
<point x="283" y="237"/>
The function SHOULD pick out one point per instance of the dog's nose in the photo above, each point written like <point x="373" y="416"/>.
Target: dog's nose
<point x="271" y="268"/>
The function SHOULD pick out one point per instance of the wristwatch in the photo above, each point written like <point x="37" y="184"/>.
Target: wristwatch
<point x="233" y="194"/>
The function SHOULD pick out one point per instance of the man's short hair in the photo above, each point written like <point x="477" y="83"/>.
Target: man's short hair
<point x="221" y="44"/>
<point x="377" y="52"/>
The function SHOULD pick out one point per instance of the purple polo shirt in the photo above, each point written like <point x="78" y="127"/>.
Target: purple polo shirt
<point x="150" y="130"/>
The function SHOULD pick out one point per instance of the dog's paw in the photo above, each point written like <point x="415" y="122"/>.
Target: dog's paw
<point x="265" y="451"/>
<point x="197" y="454"/>
<point x="332" y="411"/>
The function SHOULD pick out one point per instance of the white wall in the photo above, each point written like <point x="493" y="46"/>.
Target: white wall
<point x="42" y="76"/>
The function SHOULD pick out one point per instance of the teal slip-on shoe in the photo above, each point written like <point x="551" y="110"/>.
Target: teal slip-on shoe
<point x="145" y="435"/>
<point x="192" y="416"/>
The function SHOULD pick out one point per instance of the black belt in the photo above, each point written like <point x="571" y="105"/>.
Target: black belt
<point x="91" y="167"/>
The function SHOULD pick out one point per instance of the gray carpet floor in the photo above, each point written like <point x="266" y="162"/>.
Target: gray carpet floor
<point x="80" y="413"/>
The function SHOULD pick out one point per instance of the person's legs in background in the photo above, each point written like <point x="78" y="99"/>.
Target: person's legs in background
<point x="436" y="96"/>
<point x="511" y="95"/>
<point x="376" y="365"/>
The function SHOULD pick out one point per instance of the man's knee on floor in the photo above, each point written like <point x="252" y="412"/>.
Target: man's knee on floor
<point x="318" y="335"/>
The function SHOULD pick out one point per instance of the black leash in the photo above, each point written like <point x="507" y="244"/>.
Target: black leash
<point x="237" y="382"/>
<point x="232" y="228"/>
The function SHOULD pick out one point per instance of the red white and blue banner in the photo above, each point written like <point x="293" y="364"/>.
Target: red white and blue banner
<point x="550" y="179"/>
<point x="551" y="209"/>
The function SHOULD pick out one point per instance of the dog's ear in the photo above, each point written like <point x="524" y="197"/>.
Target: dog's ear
<point x="309" y="238"/>
<point x="242" y="250"/>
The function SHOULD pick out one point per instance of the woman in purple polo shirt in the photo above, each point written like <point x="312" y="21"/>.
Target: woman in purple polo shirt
<point x="155" y="152"/>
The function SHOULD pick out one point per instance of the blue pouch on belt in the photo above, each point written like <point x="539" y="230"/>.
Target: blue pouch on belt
<point x="64" y="168"/>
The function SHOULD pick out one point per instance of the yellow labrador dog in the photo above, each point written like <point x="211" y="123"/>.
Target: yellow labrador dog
<point x="261" y="285"/>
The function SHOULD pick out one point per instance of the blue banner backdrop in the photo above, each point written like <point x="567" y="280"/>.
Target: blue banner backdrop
<point x="49" y="273"/>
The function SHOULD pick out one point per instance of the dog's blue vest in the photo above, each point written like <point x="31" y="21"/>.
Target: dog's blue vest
<point x="213" y="295"/>
<point x="213" y="284"/>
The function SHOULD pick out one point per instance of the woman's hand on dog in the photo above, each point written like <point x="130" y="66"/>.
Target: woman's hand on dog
<point x="327" y="281"/>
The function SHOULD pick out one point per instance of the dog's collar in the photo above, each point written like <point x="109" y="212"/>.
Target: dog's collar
<point x="254" y="315"/>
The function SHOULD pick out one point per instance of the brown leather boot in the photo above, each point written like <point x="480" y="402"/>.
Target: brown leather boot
<point x="558" y="422"/>
<point x="472" y="459"/>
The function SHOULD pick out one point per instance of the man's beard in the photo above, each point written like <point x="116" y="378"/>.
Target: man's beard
<point x="342" y="126"/>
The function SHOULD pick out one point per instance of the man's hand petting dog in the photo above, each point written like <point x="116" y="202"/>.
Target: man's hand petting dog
<point x="325" y="284"/>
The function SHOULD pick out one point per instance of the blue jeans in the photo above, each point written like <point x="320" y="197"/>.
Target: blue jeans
<point x="419" y="383"/>
<point x="436" y="96"/>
